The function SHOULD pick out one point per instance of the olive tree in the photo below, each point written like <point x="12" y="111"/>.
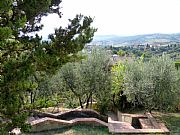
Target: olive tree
<point x="152" y="84"/>
<point x="89" y="79"/>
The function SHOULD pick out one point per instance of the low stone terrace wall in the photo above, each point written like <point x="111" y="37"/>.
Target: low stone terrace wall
<point x="46" y="123"/>
<point x="72" y="114"/>
<point x="43" y="121"/>
<point x="117" y="123"/>
<point x="147" y="122"/>
<point x="125" y="117"/>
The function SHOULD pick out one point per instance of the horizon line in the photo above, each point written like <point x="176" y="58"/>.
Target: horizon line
<point x="119" y="35"/>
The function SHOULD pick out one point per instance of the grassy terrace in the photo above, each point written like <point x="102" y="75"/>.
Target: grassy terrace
<point x="172" y="120"/>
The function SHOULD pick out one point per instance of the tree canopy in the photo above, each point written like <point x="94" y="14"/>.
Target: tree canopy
<point x="152" y="84"/>
<point x="22" y="55"/>
<point x="87" y="80"/>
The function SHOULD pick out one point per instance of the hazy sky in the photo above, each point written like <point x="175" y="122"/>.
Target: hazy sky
<point x="121" y="17"/>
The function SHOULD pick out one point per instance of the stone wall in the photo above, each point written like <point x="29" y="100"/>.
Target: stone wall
<point x="46" y="123"/>
<point x="124" y="118"/>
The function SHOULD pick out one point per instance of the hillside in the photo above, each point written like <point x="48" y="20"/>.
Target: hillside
<point x="136" y="40"/>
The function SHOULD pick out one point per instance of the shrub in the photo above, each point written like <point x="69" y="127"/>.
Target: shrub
<point x="152" y="84"/>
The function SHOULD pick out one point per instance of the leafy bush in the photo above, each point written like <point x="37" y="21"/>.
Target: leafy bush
<point x="2" y="132"/>
<point x="43" y="103"/>
<point x="152" y="84"/>
<point x="88" y="80"/>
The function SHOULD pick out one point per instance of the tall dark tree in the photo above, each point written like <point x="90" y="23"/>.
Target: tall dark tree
<point x="22" y="55"/>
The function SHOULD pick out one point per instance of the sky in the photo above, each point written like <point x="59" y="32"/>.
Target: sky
<point x="120" y="17"/>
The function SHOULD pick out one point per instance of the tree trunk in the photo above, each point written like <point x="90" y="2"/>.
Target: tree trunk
<point x="114" y="100"/>
<point x="31" y="96"/>
<point x="91" y="103"/>
<point x="80" y="102"/>
<point x="88" y="99"/>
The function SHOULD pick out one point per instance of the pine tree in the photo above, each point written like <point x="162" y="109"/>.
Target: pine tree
<point x="22" y="55"/>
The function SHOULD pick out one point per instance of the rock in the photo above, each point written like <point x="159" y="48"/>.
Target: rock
<point x="16" y="131"/>
<point x="31" y="119"/>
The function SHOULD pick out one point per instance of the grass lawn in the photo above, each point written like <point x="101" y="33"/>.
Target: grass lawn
<point x="172" y="120"/>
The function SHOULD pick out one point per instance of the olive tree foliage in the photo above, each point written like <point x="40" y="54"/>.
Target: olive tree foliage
<point x="152" y="84"/>
<point x="88" y="80"/>
<point x="39" y="96"/>
<point x="178" y="101"/>
<point x="22" y="56"/>
<point x="99" y="78"/>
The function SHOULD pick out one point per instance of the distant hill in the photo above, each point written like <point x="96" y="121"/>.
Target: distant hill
<point x="138" y="39"/>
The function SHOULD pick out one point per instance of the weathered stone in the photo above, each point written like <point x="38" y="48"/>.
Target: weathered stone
<point x="124" y="124"/>
<point x="147" y="122"/>
<point x="46" y="123"/>
<point x="16" y="131"/>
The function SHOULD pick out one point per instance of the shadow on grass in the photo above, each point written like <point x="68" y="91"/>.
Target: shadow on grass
<point x="60" y="131"/>
<point x="82" y="130"/>
<point x="76" y="130"/>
